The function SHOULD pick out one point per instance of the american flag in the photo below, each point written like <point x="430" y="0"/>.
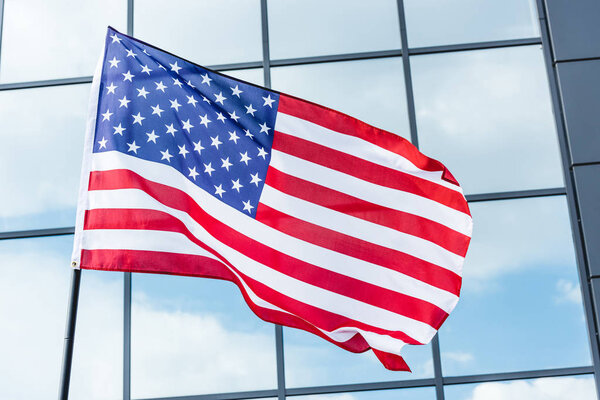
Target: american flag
<point x="325" y="223"/>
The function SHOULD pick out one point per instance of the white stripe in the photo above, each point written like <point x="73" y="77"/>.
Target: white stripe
<point x="307" y="252"/>
<point x="383" y="196"/>
<point x="356" y="147"/>
<point x="361" y="229"/>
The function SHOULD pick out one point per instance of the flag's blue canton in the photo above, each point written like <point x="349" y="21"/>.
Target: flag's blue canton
<point x="216" y="131"/>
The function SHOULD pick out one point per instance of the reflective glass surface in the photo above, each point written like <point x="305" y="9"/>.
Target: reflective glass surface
<point x="53" y="39"/>
<point x="301" y="28"/>
<point x="520" y="306"/>
<point x="42" y="133"/>
<point x="202" y="31"/>
<point x="193" y="336"/>
<point x="413" y="394"/>
<point x="487" y="116"/>
<point x="580" y="388"/>
<point x="439" y="22"/>
<point x="370" y="90"/>
<point x="312" y="361"/>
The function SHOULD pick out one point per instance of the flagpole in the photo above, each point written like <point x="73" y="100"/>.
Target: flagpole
<point x="65" y="376"/>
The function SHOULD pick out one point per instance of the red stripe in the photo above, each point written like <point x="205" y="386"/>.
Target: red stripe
<point x="191" y="265"/>
<point x="368" y="171"/>
<point x="342" y="123"/>
<point x="177" y="199"/>
<point x="361" y="249"/>
<point x="405" y="222"/>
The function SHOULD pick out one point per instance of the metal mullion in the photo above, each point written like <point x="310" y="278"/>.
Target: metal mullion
<point x="45" y="83"/>
<point x="408" y="87"/>
<point x="256" y="394"/>
<point x="473" y="46"/>
<point x="335" y="58"/>
<point x="577" y="233"/>
<point x="518" y="194"/>
<point x="1" y="28"/>
<point x="437" y="367"/>
<point x="33" y="233"/>
<point x="511" y="376"/>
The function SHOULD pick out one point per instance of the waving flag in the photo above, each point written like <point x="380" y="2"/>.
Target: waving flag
<point x="325" y="223"/>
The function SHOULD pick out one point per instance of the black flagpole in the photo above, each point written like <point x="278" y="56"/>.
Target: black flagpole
<point x="65" y="375"/>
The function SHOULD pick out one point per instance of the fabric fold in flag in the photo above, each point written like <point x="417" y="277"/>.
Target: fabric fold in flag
<point x="325" y="223"/>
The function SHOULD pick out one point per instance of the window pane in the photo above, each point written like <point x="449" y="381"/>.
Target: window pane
<point x="580" y="388"/>
<point x="300" y="28"/>
<point x="520" y="306"/>
<point x="487" y="116"/>
<point x="438" y="22"/>
<point x="254" y="75"/>
<point x="192" y="336"/>
<point x="370" y="90"/>
<point x="42" y="133"/>
<point x="393" y="394"/>
<point x="312" y="361"/>
<point x="53" y="39"/>
<point x="202" y="31"/>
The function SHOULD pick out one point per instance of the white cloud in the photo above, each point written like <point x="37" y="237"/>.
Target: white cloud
<point x="458" y="356"/>
<point x="568" y="292"/>
<point x="539" y="389"/>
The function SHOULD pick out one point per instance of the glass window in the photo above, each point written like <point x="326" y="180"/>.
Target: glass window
<point x="192" y="336"/>
<point x="300" y="28"/>
<point x="520" y="306"/>
<point x="312" y="361"/>
<point x="370" y="90"/>
<point x="566" y="387"/>
<point x="393" y="394"/>
<point x="254" y="75"/>
<point x="42" y="133"/>
<point x="439" y="22"/>
<point x="53" y="39"/>
<point x="202" y="31"/>
<point x="487" y="116"/>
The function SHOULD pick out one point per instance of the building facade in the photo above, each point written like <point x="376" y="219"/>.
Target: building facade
<point x="505" y="93"/>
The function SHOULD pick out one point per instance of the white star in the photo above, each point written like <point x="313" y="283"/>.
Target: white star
<point x="236" y="91"/>
<point x="193" y="174"/>
<point x="102" y="143"/>
<point x="248" y="133"/>
<point x="206" y="79"/>
<point x="264" y="128"/>
<point x="175" y="104"/>
<point x="250" y="110"/>
<point x="176" y="82"/>
<point x="133" y="147"/>
<point x="111" y="88"/>
<point x="118" y="130"/>
<point x="161" y="66"/>
<point x="233" y="116"/>
<point x="198" y="147"/>
<point x="146" y="69"/>
<point x="124" y="102"/>
<point x="204" y="120"/>
<point x="127" y="76"/>
<point x="208" y="169"/>
<point x="156" y="110"/>
<point x="114" y="62"/>
<point x="220" y="98"/>
<point x="245" y="158"/>
<point x="142" y="92"/>
<point x="233" y="136"/>
<point x="191" y="84"/>
<point x="166" y="155"/>
<point x="247" y="206"/>
<point x="175" y="67"/>
<point x="255" y="179"/>
<point x="115" y="38"/>
<point x="262" y="153"/>
<point x="160" y="86"/>
<point x="152" y="137"/>
<point x="106" y="115"/>
<point x="182" y="150"/>
<point x="171" y="129"/>
<point x="191" y="100"/>
<point x="137" y="119"/>
<point x="205" y="99"/>
<point x="219" y="190"/>
<point x="226" y="164"/>
<point x="145" y="52"/>
<point x="237" y="185"/>
<point x="187" y="126"/>
<point x="215" y="141"/>
<point x="130" y="53"/>
<point x="221" y="117"/>
<point x="268" y="101"/>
